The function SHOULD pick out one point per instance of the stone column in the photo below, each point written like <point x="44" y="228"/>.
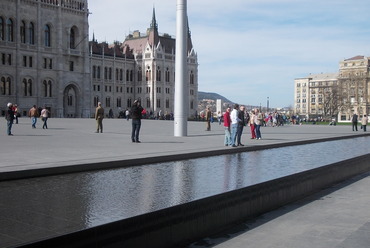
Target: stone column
<point x="181" y="71"/>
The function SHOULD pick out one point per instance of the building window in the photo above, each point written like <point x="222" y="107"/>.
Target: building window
<point x="119" y="102"/>
<point x="167" y="103"/>
<point x="23" y="32"/>
<point x="47" y="36"/>
<point x="24" y="61"/>
<point x="117" y="74"/>
<point x="25" y="91"/>
<point x="31" y="34"/>
<point x="105" y="73"/>
<point x="110" y="73"/>
<point x="120" y="74"/>
<point x="148" y="75"/>
<point x="70" y="100"/>
<point x="72" y="39"/>
<point x="98" y="72"/>
<point x="94" y="72"/>
<point x="191" y="77"/>
<point x="158" y="89"/>
<point x="158" y="74"/>
<point x="2" y="36"/>
<point x="148" y="102"/>
<point x="129" y="103"/>
<point x="107" y="102"/>
<point x="9" y="30"/>
<point x="96" y="100"/>
<point x="147" y="89"/>
<point x="158" y="103"/>
<point x="139" y="90"/>
<point x="30" y="61"/>
<point x="167" y="75"/>
<point x="139" y="75"/>
<point x="192" y="105"/>
<point x="71" y="66"/>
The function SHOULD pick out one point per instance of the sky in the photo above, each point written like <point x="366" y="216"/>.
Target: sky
<point x="250" y="50"/>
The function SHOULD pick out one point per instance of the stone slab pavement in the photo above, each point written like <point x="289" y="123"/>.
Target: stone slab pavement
<point x="70" y="142"/>
<point x="337" y="217"/>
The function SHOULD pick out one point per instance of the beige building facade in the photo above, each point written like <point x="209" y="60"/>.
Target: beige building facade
<point x="338" y="95"/>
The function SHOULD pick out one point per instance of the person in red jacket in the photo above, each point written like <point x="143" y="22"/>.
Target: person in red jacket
<point x="227" y="123"/>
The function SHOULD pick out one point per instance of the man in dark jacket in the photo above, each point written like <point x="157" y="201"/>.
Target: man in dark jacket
<point x="136" y="111"/>
<point x="9" y="115"/>
<point x="241" y="125"/>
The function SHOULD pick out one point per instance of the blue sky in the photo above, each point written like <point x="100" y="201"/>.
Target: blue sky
<point x="249" y="50"/>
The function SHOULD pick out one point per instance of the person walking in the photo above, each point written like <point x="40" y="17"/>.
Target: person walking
<point x="44" y="117"/>
<point x="33" y="113"/>
<point x="99" y="116"/>
<point x="208" y="119"/>
<point x="219" y="117"/>
<point x="258" y="121"/>
<point x="127" y="113"/>
<point x="364" y="122"/>
<point x="227" y="123"/>
<point x="354" y="122"/>
<point x="234" y="124"/>
<point x="241" y="124"/>
<point x="9" y="116"/>
<point x="136" y="116"/>
<point x="252" y="124"/>
<point x="16" y="113"/>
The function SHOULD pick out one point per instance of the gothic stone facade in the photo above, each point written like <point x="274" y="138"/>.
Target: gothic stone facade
<point x="44" y="56"/>
<point x="47" y="60"/>
<point x="142" y="67"/>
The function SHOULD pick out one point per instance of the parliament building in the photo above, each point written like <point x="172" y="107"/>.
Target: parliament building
<point x="48" y="60"/>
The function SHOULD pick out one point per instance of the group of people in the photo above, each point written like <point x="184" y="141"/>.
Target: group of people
<point x="234" y="122"/>
<point x="136" y="115"/>
<point x="12" y="114"/>
<point x="354" y="122"/>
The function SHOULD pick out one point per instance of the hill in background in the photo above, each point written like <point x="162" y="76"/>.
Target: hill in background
<point x="212" y="96"/>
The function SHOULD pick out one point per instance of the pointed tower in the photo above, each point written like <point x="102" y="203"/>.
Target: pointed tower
<point x="153" y="36"/>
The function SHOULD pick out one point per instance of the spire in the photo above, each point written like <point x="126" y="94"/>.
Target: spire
<point x="154" y="24"/>
<point x="93" y="38"/>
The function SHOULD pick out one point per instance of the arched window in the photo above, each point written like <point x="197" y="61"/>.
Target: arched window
<point x="29" y="86"/>
<point x="120" y="74"/>
<point x="31" y="34"/>
<point x="139" y="75"/>
<point x="127" y="75"/>
<point x="50" y="89"/>
<point x="105" y="72"/>
<point x="94" y="71"/>
<point x="2" y="36"/>
<point x="107" y="102"/>
<point x="148" y="102"/>
<point x="47" y="36"/>
<point x="23" y="32"/>
<point x="45" y="88"/>
<point x="110" y="73"/>
<point x="191" y="77"/>
<point x="96" y="100"/>
<point x="119" y="102"/>
<point x="98" y="72"/>
<point x="158" y="74"/>
<point x="9" y="30"/>
<point x="129" y="103"/>
<point x="2" y="86"/>
<point x="167" y="75"/>
<point x="117" y="74"/>
<point x="148" y="75"/>
<point x="24" y="84"/>
<point x="8" y="87"/>
<point x="72" y="39"/>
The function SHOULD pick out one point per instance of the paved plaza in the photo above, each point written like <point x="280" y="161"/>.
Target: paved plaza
<point x="336" y="217"/>
<point x="74" y="141"/>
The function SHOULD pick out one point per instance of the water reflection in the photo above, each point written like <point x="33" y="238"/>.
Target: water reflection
<point x="95" y="198"/>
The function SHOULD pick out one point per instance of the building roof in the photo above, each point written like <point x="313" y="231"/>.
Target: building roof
<point x="137" y="41"/>
<point x="323" y="76"/>
<point x="113" y="50"/>
<point x="356" y="58"/>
